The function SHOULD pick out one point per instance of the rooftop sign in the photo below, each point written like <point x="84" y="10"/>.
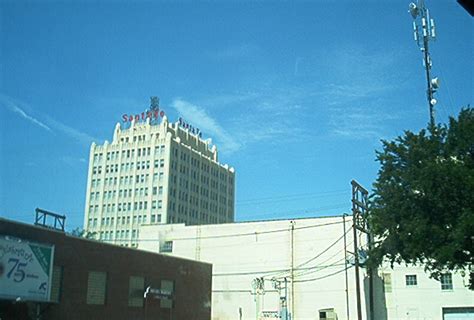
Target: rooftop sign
<point x="154" y="113"/>
<point x="183" y="124"/>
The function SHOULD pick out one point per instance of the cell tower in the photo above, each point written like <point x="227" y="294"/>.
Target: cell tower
<point x="424" y="31"/>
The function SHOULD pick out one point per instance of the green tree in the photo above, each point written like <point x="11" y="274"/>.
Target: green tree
<point x="422" y="207"/>
<point x="82" y="233"/>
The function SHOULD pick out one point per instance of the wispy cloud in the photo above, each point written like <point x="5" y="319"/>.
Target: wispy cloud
<point x="360" y="92"/>
<point x="48" y="123"/>
<point x="12" y="106"/>
<point x="198" y="115"/>
<point x="73" y="162"/>
<point x="77" y="135"/>
<point x="237" y="51"/>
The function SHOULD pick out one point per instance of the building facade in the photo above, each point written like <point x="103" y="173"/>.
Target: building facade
<point x="302" y="267"/>
<point x="155" y="173"/>
<point x="96" y="280"/>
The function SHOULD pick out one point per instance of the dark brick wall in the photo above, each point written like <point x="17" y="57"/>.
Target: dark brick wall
<point x="79" y="256"/>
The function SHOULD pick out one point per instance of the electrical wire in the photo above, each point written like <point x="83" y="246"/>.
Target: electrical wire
<point x="322" y="277"/>
<point x="233" y="235"/>
<point x="294" y="197"/>
<point x="265" y="271"/>
<point x="325" y="250"/>
<point x="315" y="257"/>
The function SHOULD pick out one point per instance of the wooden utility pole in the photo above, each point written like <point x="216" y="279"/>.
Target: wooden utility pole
<point x="360" y="210"/>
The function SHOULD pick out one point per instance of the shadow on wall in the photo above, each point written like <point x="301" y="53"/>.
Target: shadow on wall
<point x="380" y="304"/>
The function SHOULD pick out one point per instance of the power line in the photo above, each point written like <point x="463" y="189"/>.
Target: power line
<point x="318" y="268"/>
<point x="301" y="211"/>
<point x="291" y="197"/>
<point x="323" y="277"/>
<point x="325" y="250"/>
<point x="315" y="257"/>
<point x="233" y="235"/>
<point x="266" y="271"/>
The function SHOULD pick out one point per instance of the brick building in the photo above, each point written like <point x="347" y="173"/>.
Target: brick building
<point x="94" y="280"/>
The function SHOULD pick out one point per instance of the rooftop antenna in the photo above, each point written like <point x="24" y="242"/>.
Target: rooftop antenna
<point x="154" y="103"/>
<point x="154" y="106"/>
<point x="424" y="31"/>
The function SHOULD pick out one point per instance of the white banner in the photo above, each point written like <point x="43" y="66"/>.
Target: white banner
<point x="25" y="270"/>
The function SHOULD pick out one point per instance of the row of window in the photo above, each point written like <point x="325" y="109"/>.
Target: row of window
<point x="97" y="284"/>
<point x="126" y="193"/>
<point x="128" y="153"/>
<point x="126" y="180"/>
<point x="446" y="281"/>
<point x="123" y="220"/>
<point x="126" y="167"/>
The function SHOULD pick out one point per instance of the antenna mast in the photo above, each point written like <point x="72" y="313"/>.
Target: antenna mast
<point x="424" y="31"/>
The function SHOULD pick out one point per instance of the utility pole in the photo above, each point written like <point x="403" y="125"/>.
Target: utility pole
<point x="359" y="219"/>
<point x="424" y="29"/>
<point x="258" y="285"/>
<point x="345" y="265"/>
<point x="293" y="269"/>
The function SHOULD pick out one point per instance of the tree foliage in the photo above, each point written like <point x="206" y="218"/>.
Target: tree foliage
<point x="82" y="233"/>
<point x="422" y="204"/>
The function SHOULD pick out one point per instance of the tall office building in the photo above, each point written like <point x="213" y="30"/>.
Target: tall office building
<point x="155" y="172"/>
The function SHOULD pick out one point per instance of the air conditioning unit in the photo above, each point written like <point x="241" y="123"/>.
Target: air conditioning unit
<point x="327" y="314"/>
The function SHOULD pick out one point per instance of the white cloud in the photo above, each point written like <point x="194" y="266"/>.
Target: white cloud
<point x="77" y="135"/>
<point x="199" y="117"/>
<point x="49" y="124"/>
<point x="12" y="106"/>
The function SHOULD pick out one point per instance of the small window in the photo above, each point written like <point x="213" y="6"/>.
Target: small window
<point x="135" y="291"/>
<point x="167" y="287"/>
<point x="96" y="287"/>
<point x="410" y="280"/>
<point x="387" y="282"/>
<point x="56" y="283"/>
<point x="446" y="281"/>
<point x="167" y="246"/>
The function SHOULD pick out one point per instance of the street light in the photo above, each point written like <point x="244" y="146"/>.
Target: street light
<point x="424" y="31"/>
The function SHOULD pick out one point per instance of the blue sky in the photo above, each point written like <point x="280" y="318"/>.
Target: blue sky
<point x="296" y="95"/>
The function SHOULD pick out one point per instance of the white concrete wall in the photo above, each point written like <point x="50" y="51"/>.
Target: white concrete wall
<point x="426" y="300"/>
<point x="243" y="251"/>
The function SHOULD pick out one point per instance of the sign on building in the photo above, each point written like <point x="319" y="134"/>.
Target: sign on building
<point x="25" y="270"/>
<point x="270" y="315"/>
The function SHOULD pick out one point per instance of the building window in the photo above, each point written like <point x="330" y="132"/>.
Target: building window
<point x="167" y="287"/>
<point x="410" y="280"/>
<point x="56" y="283"/>
<point x="446" y="281"/>
<point x="96" y="287"/>
<point x="167" y="246"/>
<point x="387" y="282"/>
<point x="135" y="291"/>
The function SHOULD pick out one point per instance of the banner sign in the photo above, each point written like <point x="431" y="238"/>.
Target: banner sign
<point x="25" y="270"/>
<point x="158" y="293"/>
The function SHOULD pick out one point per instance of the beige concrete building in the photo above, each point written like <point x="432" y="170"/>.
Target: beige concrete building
<point x="155" y="174"/>
<point x="301" y="266"/>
